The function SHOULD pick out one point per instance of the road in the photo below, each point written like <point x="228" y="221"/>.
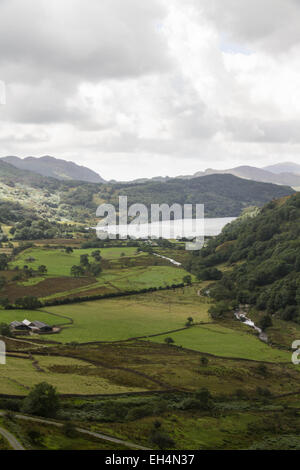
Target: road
<point x="14" y="443"/>
<point x="98" y="435"/>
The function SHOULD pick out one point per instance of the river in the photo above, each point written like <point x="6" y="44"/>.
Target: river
<point x="244" y="319"/>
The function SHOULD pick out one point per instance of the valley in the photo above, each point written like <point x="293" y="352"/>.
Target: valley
<point x="142" y="341"/>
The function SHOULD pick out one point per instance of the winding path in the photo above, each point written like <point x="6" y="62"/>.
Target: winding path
<point x="14" y="443"/>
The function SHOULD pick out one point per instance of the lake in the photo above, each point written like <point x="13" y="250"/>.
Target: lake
<point x="182" y="228"/>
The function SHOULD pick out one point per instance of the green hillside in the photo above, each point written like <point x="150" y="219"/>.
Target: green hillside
<point x="264" y="253"/>
<point x="223" y="195"/>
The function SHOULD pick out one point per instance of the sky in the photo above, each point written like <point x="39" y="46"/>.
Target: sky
<point x="136" y="88"/>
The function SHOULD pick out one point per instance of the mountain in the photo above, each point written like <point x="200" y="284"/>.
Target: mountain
<point x="55" y="168"/>
<point x="262" y="255"/>
<point x="287" y="167"/>
<point x="223" y="195"/>
<point x="9" y="174"/>
<point x="256" y="174"/>
<point x="282" y="174"/>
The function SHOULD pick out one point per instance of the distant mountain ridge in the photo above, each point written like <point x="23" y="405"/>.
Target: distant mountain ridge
<point x="257" y="174"/>
<point x="286" y="174"/>
<point x="224" y="195"/>
<point x="287" y="167"/>
<point x="55" y="168"/>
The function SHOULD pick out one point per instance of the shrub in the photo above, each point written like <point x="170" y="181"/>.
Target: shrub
<point x="43" y="400"/>
<point x="161" y="439"/>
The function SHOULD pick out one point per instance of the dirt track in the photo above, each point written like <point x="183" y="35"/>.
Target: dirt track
<point x="14" y="443"/>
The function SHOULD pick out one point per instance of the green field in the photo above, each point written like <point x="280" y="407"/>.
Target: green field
<point x="59" y="263"/>
<point x="135" y="278"/>
<point x="68" y="375"/>
<point x="123" y="318"/>
<point x="8" y="316"/>
<point x="115" y="277"/>
<point x="226" y="342"/>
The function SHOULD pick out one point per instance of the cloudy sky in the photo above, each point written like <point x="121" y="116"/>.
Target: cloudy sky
<point x="135" y="88"/>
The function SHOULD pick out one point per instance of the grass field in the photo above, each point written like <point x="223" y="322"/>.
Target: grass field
<point x="123" y="318"/>
<point x="68" y="375"/>
<point x="8" y="316"/>
<point x="226" y="342"/>
<point x="116" y="276"/>
<point x="134" y="278"/>
<point x="59" y="263"/>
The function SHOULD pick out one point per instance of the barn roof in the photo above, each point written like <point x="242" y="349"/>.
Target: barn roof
<point x="16" y="323"/>
<point x="39" y="324"/>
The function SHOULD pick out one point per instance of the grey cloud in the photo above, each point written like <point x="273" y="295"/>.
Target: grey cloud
<point x="86" y="40"/>
<point x="255" y="130"/>
<point x="41" y="104"/>
<point x="48" y="48"/>
<point x="272" y="25"/>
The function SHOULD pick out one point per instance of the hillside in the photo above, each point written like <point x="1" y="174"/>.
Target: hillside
<point x="223" y="195"/>
<point x="55" y="168"/>
<point x="265" y="253"/>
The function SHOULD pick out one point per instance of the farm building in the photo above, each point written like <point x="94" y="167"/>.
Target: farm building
<point x="28" y="326"/>
<point x="19" y="326"/>
<point x="40" y="327"/>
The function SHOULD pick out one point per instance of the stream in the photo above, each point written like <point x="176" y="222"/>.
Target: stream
<point x="169" y="259"/>
<point x="244" y="319"/>
<point x="239" y="315"/>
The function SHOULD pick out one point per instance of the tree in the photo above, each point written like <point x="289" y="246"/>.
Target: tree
<point x="84" y="260"/>
<point x="42" y="269"/>
<point x="95" y="269"/>
<point x="187" y="280"/>
<point x="3" y="262"/>
<point x="43" y="400"/>
<point x="4" y="302"/>
<point x="169" y="341"/>
<point x="77" y="271"/>
<point x="160" y="438"/>
<point x="219" y="310"/>
<point x="190" y="321"/>
<point x="265" y="322"/>
<point x="5" y="330"/>
<point x="96" y="255"/>
<point x="204" y="399"/>
<point x="29" y="302"/>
